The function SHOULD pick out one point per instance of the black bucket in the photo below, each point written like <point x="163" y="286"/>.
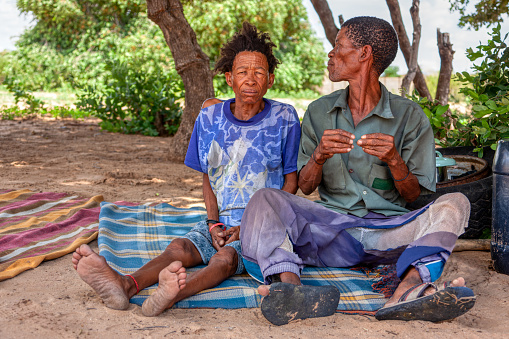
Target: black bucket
<point x="500" y="210"/>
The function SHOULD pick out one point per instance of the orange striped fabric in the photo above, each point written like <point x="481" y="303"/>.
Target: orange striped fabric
<point x="41" y="226"/>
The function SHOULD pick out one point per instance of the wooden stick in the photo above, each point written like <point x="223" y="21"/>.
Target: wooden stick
<point x="472" y="245"/>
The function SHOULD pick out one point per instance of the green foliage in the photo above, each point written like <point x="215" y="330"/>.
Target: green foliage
<point x="21" y="95"/>
<point x="454" y="88"/>
<point x="135" y="102"/>
<point x="301" y="54"/>
<point x="74" y="42"/>
<point x="441" y="119"/>
<point x="28" y="106"/>
<point x="4" y="63"/>
<point x="488" y="90"/>
<point x="391" y="72"/>
<point x="487" y="12"/>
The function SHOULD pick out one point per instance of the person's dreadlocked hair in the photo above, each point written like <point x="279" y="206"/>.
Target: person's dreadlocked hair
<point x="377" y="33"/>
<point x="248" y="40"/>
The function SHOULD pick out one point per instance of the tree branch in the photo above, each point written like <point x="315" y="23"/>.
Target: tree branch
<point x="444" y="79"/>
<point x="191" y="64"/>
<point x="412" y="65"/>
<point x="406" y="48"/>
<point x="323" y="10"/>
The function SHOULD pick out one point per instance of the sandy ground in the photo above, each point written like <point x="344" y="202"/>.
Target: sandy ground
<point x="51" y="301"/>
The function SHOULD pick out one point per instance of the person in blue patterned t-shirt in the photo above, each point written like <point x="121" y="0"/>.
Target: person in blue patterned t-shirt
<point x="240" y="145"/>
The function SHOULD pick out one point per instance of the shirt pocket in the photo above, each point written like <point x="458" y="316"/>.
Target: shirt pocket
<point x="333" y="174"/>
<point x="381" y="181"/>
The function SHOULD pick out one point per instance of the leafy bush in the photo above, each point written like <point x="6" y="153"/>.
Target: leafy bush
<point x="21" y="95"/>
<point x="74" y="44"/>
<point x="441" y="119"/>
<point x="454" y="88"/>
<point x="135" y="102"/>
<point x="71" y="42"/>
<point x="488" y="90"/>
<point x="301" y="53"/>
<point x="391" y="72"/>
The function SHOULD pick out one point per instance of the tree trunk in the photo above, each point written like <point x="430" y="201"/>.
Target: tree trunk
<point x="406" y="48"/>
<point x="191" y="63"/>
<point x="444" y="79"/>
<point x="416" y="38"/>
<point x="323" y="10"/>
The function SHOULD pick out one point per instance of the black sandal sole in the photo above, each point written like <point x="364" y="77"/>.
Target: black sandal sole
<point x="287" y="302"/>
<point x="445" y="304"/>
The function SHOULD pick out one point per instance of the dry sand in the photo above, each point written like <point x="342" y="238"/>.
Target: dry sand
<point x="51" y="301"/>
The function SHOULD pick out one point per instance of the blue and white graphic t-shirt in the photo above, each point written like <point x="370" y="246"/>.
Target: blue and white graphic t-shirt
<point x="241" y="156"/>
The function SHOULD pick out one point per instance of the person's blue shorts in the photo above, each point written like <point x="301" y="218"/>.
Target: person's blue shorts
<point x="199" y="235"/>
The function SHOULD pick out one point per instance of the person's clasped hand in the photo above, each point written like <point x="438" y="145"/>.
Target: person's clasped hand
<point x="333" y="141"/>
<point x="231" y="234"/>
<point x="380" y="145"/>
<point x="218" y="239"/>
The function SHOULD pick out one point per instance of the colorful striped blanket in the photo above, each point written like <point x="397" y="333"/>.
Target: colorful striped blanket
<point x="130" y="236"/>
<point x="42" y="226"/>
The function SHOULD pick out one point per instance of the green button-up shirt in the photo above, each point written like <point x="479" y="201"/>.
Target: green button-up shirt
<point x="357" y="182"/>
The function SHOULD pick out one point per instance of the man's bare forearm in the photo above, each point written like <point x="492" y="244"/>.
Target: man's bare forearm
<point x="310" y="177"/>
<point x="405" y="181"/>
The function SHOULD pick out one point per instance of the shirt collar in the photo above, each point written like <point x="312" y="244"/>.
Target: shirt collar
<point x="382" y="109"/>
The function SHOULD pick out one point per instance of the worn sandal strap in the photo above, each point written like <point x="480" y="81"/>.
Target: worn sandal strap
<point x="416" y="291"/>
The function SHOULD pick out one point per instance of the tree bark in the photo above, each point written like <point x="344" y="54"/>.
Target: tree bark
<point x="416" y="38"/>
<point x="323" y="10"/>
<point x="444" y="79"/>
<point x="191" y="63"/>
<point x="406" y="48"/>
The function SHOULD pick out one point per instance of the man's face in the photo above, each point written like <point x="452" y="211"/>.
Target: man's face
<point x="343" y="62"/>
<point x="250" y="77"/>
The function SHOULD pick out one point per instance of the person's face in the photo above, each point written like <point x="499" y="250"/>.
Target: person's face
<point x="250" y="77"/>
<point x="343" y="62"/>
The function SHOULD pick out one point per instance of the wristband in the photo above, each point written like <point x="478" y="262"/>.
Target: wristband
<point x="404" y="177"/>
<point x="313" y="157"/>
<point x="216" y="224"/>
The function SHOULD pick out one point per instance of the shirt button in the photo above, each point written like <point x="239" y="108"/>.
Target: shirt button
<point x="364" y="192"/>
<point x="350" y="170"/>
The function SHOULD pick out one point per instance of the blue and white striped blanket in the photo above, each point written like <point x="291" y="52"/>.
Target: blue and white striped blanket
<point x="130" y="236"/>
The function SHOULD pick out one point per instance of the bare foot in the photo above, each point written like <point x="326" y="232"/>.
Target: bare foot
<point x="172" y="279"/>
<point x="93" y="269"/>
<point x="286" y="277"/>
<point x="264" y="290"/>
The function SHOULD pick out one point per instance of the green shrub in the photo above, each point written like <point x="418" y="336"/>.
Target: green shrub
<point x="391" y="72"/>
<point x="133" y="101"/>
<point x="23" y="96"/>
<point x="488" y="91"/>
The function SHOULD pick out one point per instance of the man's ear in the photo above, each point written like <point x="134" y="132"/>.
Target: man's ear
<point x="366" y="53"/>
<point x="229" y="78"/>
<point x="271" y="80"/>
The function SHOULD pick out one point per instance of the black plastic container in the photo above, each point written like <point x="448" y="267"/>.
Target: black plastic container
<point x="500" y="211"/>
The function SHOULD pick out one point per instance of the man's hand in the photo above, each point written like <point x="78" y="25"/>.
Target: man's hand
<point x="218" y="239"/>
<point x="231" y="234"/>
<point x="333" y="141"/>
<point x="381" y="146"/>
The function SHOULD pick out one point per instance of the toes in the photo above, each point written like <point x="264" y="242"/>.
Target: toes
<point x="264" y="290"/>
<point x="458" y="282"/>
<point x="84" y="250"/>
<point x="175" y="266"/>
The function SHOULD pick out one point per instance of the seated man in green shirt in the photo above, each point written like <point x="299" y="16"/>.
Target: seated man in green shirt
<point x="369" y="152"/>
